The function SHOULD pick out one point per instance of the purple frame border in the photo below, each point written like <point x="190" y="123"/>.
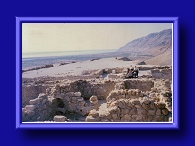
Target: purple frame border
<point x="149" y="125"/>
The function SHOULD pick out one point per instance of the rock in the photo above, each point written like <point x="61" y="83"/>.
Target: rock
<point x="30" y="107"/>
<point x="139" y="118"/>
<point x="60" y="119"/>
<point x="77" y="94"/>
<point x="168" y="84"/>
<point x="138" y="106"/>
<point x="170" y="119"/>
<point x="159" y="118"/>
<point x="94" y="102"/>
<point x="141" y="63"/>
<point x="139" y="111"/>
<point x="165" y="111"/>
<point x="57" y="86"/>
<point x="158" y="112"/>
<point x="67" y="98"/>
<point x="136" y="102"/>
<point x="127" y="117"/>
<point x="93" y="113"/>
<point x="134" y="116"/>
<point x="114" y="71"/>
<point x="161" y="105"/>
<point x="93" y="98"/>
<point x="72" y="107"/>
<point x="48" y="90"/>
<point x="151" y="112"/>
<point x="126" y="111"/>
<point x="74" y="98"/>
<point x="145" y="106"/>
<point x="150" y="118"/>
<point x="114" y="116"/>
<point x="30" y="113"/>
<point x="80" y="99"/>
<point x="91" y="119"/>
<point x="84" y="111"/>
<point x="133" y="111"/>
<point x="42" y="96"/>
<point x="34" y="101"/>
<point x="145" y="118"/>
<point x="152" y="105"/>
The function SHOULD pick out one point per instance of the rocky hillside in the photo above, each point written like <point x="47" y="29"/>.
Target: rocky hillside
<point x="162" y="59"/>
<point x="154" y="48"/>
<point x="153" y="40"/>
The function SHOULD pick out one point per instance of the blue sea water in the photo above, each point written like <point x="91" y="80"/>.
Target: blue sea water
<point x="30" y="60"/>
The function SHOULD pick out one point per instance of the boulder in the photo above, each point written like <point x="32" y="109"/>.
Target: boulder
<point x="77" y="94"/>
<point x="74" y="98"/>
<point x="91" y="119"/>
<point x="34" y="101"/>
<point x="30" y="107"/>
<point x="30" y="113"/>
<point x="93" y="98"/>
<point x="127" y="117"/>
<point x="80" y="99"/>
<point x="151" y="112"/>
<point x="93" y="113"/>
<point x="141" y="63"/>
<point x="158" y="112"/>
<point x="42" y="96"/>
<point x="84" y="111"/>
<point x="161" y="105"/>
<point x="165" y="111"/>
<point x="59" y="118"/>
<point x="114" y="116"/>
<point x="159" y="118"/>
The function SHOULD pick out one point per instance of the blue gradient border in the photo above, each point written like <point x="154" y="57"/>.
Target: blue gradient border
<point x="149" y="125"/>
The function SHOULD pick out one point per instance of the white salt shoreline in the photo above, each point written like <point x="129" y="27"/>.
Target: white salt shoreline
<point x="77" y="68"/>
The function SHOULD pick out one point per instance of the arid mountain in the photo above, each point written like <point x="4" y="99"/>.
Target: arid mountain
<point x="157" y="45"/>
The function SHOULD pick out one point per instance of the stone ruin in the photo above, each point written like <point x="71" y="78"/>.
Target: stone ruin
<point x="127" y="100"/>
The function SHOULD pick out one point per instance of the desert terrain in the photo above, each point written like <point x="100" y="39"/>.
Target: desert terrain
<point x="96" y="90"/>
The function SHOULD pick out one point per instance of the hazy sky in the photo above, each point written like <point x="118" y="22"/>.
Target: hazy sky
<point x="49" y="37"/>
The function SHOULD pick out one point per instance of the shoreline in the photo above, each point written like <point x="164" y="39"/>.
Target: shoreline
<point x="81" y="68"/>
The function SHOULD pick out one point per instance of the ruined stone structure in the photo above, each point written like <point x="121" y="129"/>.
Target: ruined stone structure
<point x="127" y="100"/>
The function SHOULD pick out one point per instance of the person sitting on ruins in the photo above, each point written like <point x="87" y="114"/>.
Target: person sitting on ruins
<point x="136" y="69"/>
<point x="129" y="72"/>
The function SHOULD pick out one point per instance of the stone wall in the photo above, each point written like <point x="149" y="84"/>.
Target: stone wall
<point x="150" y="104"/>
<point x="31" y="91"/>
<point x="45" y="107"/>
<point x="88" y="88"/>
<point x="132" y="110"/>
<point x="42" y="108"/>
<point x="143" y="84"/>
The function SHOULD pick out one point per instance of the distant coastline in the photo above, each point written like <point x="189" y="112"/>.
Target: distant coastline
<point x="30" y="60"/>
<point x="65" y="53"/>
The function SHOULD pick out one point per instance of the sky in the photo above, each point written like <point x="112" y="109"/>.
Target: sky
<point x="54" y="37"/>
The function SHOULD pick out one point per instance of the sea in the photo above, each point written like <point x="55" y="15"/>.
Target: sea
<point x="30" y="60"/>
